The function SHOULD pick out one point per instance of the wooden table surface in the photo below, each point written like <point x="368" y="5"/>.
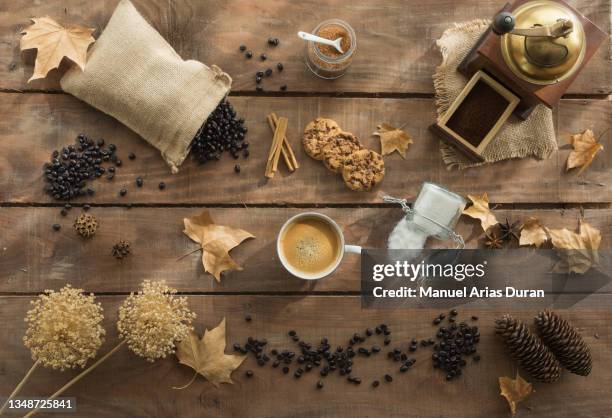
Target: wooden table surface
<point x="389" y="81"/>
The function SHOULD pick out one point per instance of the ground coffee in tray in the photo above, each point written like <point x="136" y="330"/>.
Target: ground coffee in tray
<point x="134" y="75"/>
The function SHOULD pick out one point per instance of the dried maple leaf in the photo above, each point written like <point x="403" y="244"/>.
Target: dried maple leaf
<point x="480" y="210"/>
<point x="585" y="149"/>
<point x="514" y="390"/>
<point x="579" y="251"/>
<point x="392" y="139"/>
<point x="206" y="356"/>
<point x="533" y="233"/>
<point x="216" y="242"/>
<point x="54" y="42"/>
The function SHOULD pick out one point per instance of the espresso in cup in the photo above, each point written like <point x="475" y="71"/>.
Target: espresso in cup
<point x="311" y="246"/>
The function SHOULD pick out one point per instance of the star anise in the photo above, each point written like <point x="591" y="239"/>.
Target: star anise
<point x="493" y="242"/>
<point x="509" y="230"/>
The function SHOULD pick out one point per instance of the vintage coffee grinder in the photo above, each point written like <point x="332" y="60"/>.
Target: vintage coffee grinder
<point x="533" y="51"/>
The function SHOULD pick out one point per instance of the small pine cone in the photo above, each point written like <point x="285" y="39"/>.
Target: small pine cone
<point x="86" y="225"/>
<point x="528" y="349"/>
<point x="563" y="340"/>
<point x="121" y="250"/>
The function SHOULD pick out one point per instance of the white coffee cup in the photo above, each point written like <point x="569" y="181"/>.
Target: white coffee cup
<point x="342" y="247"/>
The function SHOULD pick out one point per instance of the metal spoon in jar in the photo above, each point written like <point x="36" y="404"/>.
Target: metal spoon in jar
<point x="314" y="38"/>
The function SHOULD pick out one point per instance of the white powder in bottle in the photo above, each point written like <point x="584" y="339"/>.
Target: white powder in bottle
<point x="406" y="236"/>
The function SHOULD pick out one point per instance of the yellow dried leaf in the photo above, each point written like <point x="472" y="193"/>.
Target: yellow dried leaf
<point x="207" y="357"/>
<point x="514" y="390"/>
<point x="54" y="42"/>
<point x="533" y="233"/>
<point x="585" y="149"/>
<point x="579" y="252"/>
<point x="480" y="210"/>
<point x="216" y="242"/>
<point x="392" y="139"/>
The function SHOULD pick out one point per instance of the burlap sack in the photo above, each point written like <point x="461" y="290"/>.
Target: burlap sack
<point x="534" y="137"/>
<point x="134" y="75"/>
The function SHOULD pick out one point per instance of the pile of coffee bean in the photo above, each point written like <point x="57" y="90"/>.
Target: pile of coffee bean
<point x="266" y="72"/>
<point x="455" y="342"/>
<point x="221" y="132"/>
<point x="71" y="167"/>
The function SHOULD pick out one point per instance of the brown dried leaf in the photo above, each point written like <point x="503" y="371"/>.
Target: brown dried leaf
<point x="480" y="210"/>
<point x="207" y="355"/>
<point x="579" y="251"/>
<point x="514" y="390"/>
<point x="392" y="139"/>
<point x="216" y="241"/>
<point x="585" y="149"/>
<point x="54" y="42"/>
<point x="533" y="233"/>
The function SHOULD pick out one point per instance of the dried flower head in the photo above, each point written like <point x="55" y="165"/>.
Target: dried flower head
<point x="64" y="328"/>
<point x="152" y="320"/>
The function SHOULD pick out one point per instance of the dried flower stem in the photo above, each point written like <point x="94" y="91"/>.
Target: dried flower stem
<point x="20" y="385"/>
<point x="79" y="376"/>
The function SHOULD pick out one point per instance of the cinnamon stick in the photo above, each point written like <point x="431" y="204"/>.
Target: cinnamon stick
<point x="273" y="121"/>
<point x="275" y="149"/>
<point x="287" y="147"/>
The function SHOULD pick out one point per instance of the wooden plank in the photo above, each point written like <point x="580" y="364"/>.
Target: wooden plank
<point x="35" y="124"/>
<point x="396" y="39"/>
<point x="33" y="257"/>
<point x="127" y="386"/>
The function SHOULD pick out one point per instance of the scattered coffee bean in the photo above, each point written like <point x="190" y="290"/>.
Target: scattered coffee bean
<point x="474" y="318"/>
<point x="242" y="48"/>
<point x="248" y="54"/>
<point x="283" y="87"/>
<point x="388" y="378"/>
<point x="263" y="57"/>
<point x="86" y="207"/>
<point x="161" y="185"/>
<point x="259" y="88"/>
<point x="118" y="163"/>
<point x="249" y="373"/>
<point x="285" y="370"/>
<point x="237" y="168"/>
<point x="320" y="384"/>
<point x="258" y="80"/>
<point x="280" y="66"/>
<point x="454" y="312"/>
<point x="375" y="383"/>
<point x="123" y="192"/>
<point x="67" y="206"/>
<point x="132" y="156"/>
<point x="139" y="181"/>
<point x="64" y="212"/>
<point x="268" y="72"/>
<point x="57" y="227"/>
<point x="248" y="318"/>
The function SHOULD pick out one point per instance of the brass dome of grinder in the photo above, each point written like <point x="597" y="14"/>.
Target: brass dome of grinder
<point x="543" y="60"/>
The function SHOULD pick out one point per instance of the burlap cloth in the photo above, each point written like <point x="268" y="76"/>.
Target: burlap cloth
<point x="134" y="75"/>
<point x="534" y="137"/>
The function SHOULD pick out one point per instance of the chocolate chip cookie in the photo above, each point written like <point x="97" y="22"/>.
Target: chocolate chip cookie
<point x="317" y="134"/>
<point x="363" y="170"/>
<point x="338" y="149"/>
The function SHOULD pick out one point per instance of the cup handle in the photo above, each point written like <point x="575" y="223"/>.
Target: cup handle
<point x="352" y="249"/>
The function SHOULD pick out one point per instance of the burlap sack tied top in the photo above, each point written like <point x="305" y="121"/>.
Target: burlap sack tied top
<point x="534" y="137"/>
<point x="134" y="75"/>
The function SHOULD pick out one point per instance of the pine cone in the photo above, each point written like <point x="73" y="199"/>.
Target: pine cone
<point x="86" y="225"/>
<point x="121" y="250"/>
<point x="563" y="340"/>
<point x="528" y="349"/>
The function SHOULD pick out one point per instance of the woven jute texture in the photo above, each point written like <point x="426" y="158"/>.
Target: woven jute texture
<point x="134" y="75"/>
<point x="534" y="137"/>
